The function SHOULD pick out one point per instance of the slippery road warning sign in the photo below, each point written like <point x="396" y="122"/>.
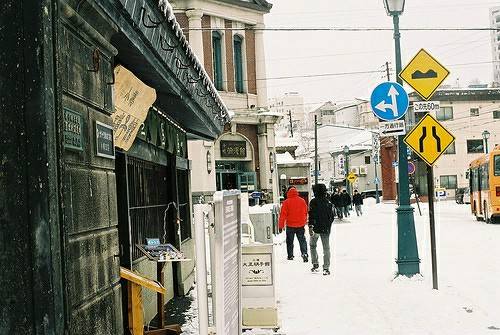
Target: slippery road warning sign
<point x="429" y="139"/>
<point x="424" y="74"/>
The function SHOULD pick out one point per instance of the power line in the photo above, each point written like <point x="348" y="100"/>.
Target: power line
<point x="321" y="75"/>
<point x="345" y="29"/>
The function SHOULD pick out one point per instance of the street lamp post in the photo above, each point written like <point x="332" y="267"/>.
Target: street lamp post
<point x="346" y="163"/>
<point x="486" y="136"/>
<point x="316" y="171"/>
<point x="407" y="259"/>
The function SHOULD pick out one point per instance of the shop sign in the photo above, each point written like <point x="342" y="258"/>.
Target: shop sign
<point x="104" y="140"/>
<point x="236" y="149"/>
<point x="297" y="181"/>
<point x="73" y="130"/>
<point x="132" y="100"/>
<point x="256" y="270"/>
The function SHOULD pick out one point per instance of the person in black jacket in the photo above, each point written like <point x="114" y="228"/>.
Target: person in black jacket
<point x="335" y="199"/>
<point x="357" y="200"/>
<point x="321" y="217"/>
<point x="345" y="202"/>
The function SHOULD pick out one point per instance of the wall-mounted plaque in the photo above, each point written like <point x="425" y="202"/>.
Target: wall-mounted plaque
<point x="73" y="130"/>
<point x="236" y="149"/>
<point x="105" y="146"/>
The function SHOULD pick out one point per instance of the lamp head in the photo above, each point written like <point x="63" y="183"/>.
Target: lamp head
<point x="486" y="134"/>
<point x="394" y="7"/>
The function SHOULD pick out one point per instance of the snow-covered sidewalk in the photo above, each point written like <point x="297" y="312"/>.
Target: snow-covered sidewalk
<point x="361" y="296"/>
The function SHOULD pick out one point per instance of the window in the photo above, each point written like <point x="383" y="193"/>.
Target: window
<point x="367" y="159"/>
<point x="484" y="179"/>
<point x="450" y="150"/>
<point x="448" y="182"/>
<point x="238" y="63"/>
<point x="445" y="113"/>
<point x="496" y="114"/>
<point x="217" y="59"/>
<point x="475" y="146"/>
<point x="497" y="165"/>
<point x="474" y="112"/>
<point x="474" y="179"/>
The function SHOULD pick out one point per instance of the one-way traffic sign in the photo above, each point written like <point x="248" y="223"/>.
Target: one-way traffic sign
<point x="389" y="101"/>
<point x="392" y="128"/>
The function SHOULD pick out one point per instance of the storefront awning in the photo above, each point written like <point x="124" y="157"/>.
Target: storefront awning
<point x="150" y="43"/>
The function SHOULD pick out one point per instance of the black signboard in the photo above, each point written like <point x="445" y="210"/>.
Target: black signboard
<point x="105" y="146"/>
<point x="233" y="149"/>
<point x="73" y="130"/>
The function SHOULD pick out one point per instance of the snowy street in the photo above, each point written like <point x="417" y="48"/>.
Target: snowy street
<point x="361" y="297"/>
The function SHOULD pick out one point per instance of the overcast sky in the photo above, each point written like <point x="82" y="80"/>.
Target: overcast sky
<point x="305" y="53"/>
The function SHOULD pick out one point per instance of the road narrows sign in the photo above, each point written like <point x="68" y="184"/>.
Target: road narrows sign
<point x="429" y="139"/>
<point x="424" y="74"/>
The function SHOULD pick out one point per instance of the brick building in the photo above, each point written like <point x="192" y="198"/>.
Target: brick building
<point x="226" y="36"/>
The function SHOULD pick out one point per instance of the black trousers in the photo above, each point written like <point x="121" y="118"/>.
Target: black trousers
<point x="290" y="234"/>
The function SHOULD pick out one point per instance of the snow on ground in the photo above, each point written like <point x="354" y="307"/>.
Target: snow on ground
<point x="361" y="296"/>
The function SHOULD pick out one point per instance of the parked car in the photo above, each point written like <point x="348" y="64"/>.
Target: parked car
<point x="371" y="193"/>
<point x="462" y="195"/>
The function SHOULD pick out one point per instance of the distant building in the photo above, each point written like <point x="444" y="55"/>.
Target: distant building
<point x="332" y="160"/>
<point x="495" y="43"/>
<point x="355" y="113"/>
<point x="466" y="113"/>
<point x="291" y="103"/>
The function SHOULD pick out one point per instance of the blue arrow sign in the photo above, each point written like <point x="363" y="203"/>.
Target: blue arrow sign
<point x="389" y="101"/>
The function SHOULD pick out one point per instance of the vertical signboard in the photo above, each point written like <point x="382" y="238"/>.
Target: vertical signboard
<point x="227" y="238"/>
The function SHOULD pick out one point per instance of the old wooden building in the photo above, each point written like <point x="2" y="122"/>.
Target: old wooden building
<point x="79" y="185"/>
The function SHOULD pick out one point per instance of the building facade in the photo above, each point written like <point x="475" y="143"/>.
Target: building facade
<point x="227" y="38"/>
<point x="94" y="159"/>
<point x="466" y="113"/>
<point x="495" y="43"/>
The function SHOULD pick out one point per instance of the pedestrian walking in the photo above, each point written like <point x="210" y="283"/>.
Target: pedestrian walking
<point x="293" y="216"/>
<point x="335" y="200"/>
<point x="321" y="217"/>
<point x="357" y="200"/>
<point x="345" y="201"/>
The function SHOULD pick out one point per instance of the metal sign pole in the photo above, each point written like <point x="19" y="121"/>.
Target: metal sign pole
<point x="430" y="191"/>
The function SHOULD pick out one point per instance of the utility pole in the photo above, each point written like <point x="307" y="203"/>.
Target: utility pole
<point x="387" y="71"/>
<point x="291" y="123"/>
<point x="316" y="150"/>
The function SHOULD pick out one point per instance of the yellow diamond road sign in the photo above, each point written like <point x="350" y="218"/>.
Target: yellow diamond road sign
<point x="429" y="139"/>
<point x="351" y="177"/>
<point x="424" y="74"/>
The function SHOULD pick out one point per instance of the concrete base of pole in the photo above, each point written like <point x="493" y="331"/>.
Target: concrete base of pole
<point x="408" y="260"/>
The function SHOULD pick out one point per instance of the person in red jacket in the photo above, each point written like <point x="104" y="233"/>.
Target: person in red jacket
<point x="294" y="216"/>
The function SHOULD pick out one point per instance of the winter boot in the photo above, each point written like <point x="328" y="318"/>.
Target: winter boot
<point x="290" y="258"/>
<point x="326" y="272"/>
<point x="315" y="268"/>
<point x="305" y="258"/>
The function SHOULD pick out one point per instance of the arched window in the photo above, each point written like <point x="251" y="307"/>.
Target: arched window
<point x="238" y="63"/>
<point x="217" y="59"/>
